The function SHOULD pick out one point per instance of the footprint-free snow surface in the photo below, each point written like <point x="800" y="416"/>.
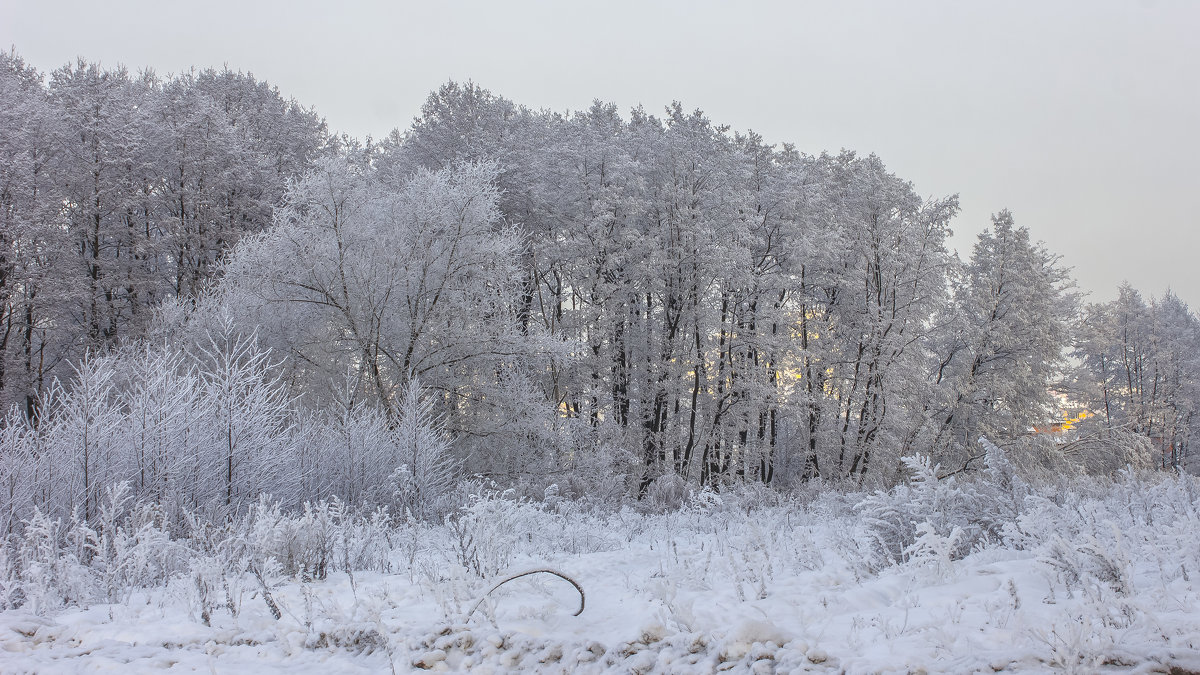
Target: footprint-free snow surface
<point x="1102" y="579"/>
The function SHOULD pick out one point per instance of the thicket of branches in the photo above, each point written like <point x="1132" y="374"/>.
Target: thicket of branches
<point x="208" y="298"/>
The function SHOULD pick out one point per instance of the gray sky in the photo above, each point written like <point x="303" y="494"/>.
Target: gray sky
<point x="1083" y="118"/>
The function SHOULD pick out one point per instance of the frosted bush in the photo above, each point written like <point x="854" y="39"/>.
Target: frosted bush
<point x="668" y="492"/>
<point x="934" y="548"/>
<point x="426" y="477"/>
<point x="977" y="508"/>
<point x="598" y="476"/>
<point x="366" y="540"/>
<point x="51" y="576"/>
<point x="318" y="538"/>
<point x="888" y="521"/>
<point x="301" y="543"/>
<point x="495" y="527"/>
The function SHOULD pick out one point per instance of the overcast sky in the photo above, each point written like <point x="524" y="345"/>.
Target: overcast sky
<point x="1083" y="118"/>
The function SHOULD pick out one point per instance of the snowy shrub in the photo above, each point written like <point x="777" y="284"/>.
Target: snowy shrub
<point x="668" y="492"/>
<point x="426" y="477"/>
<point x="11" y="594"/>
<point x="209" y="577"/>
<point x="366" y="540"/>
<point x="1073" y="647"/>
<point x="302" y="543"/>
<point x="598" y="475"/>
<point x="87" y="431"/>
<point x="168" y="418"/>
<point x="253" y="415"/>
<point x="144" y="554"/>
<point x="75" y="563"/>
<point x="1098" y="452"/>
<point x="355" y="638"/>
<point x="318" y="538"/>
<point x="51" y="576"/>
<point x="888" y="521"/>
<point x="929" y="546"/>
<point x="1084" y="536"/>
<point x="1109" y="563"/>
<point x="977" y="508"/>
<point x="19" y="464"/>
<point x="1000" y="489"/>
<point x="347" y="453"/>
<point x="489" y="532"/>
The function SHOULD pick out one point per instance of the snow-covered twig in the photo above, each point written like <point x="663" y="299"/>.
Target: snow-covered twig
<point x="518" y="575"/>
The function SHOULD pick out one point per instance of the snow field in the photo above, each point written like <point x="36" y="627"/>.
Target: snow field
<point x="1099" y="578"/>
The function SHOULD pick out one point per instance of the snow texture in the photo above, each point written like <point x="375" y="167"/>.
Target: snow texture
<point x="1097" y="578"/>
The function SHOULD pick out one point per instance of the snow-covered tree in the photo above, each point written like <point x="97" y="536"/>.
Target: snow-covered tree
<point x="40" y="279"/>
<point x="872" y="288"/>
<point x="1006" y="337"/>
<point x="1138" y="369"/>
<point x="389" y="281"/>
<point x="251" y="422"/>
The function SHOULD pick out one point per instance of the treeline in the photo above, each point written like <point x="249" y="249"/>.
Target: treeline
<point x="119" y="191"/>
<point x="582" y="296"/>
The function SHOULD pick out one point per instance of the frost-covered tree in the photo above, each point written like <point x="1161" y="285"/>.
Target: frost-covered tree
<point x="352" y="450"/>
<point x="1138" y="369"/>
<point x="653" y="294"/>
<point x="871" y="291"/>
<point x="86" y="442"/>
<point x="39" y="280"/>
<point x="251" y="422"/>
<point x="1006" y="336"/>
<point x="229" y="145"/>
<point x="391" y="281"/>
<point x="120" y="191"/>
<point x="675" y="259"/>
<point x="168" y="419"/>
<point x="20" y="482"/>
<point x="106" y="178"/>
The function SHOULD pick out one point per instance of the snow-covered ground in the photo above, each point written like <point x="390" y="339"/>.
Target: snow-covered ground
<point x="1102" y="577"/>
